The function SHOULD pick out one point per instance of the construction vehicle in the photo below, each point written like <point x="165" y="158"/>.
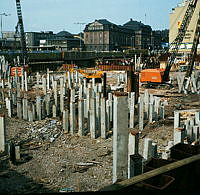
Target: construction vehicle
<point x="87" y="73"/>
<point x="22" y="64"/>
<point x="161" y="76"/>
<point x="90" y="73"/>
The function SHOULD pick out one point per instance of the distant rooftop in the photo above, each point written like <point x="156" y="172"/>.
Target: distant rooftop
<point x="135" y="25"/>
<point x="104" y="21"/>
<point x="64" y="34"/>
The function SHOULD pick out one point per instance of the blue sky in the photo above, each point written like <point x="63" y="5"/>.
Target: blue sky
<point x="58" y="15"/>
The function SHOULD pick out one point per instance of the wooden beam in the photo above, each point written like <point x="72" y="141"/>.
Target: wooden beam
<point x="126" y="183"/>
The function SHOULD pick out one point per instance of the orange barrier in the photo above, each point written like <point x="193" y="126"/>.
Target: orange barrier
<point x="114" y="67"/>
<point x="13" y="71"/>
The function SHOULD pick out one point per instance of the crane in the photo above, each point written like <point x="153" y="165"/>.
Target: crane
<point x="20" y="25"/>
<point x="162" y="75"/>
<point x="24" y="53"/>
<point x="192" y="55"/>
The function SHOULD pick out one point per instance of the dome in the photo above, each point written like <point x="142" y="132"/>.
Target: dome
<point x="64" y="34"/>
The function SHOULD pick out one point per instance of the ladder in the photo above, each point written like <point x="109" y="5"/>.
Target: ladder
<point x="179" y="38"/>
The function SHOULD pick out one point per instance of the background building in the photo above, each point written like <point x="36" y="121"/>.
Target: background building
<point x="102" y="35"/>
<point x="142" y="32"/>
<point x="62" y="41"/>
<point x="175" y="21"/>
<point x="33" y="38"/>
<point x="10" y="41"/>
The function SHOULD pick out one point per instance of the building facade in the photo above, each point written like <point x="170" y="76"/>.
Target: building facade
<point x="176" y="17"/>
<point x="62" y="41"/>
<point x="143" y="33"/>
<point x="102" y="35"/>
<point x="33" y="38"/>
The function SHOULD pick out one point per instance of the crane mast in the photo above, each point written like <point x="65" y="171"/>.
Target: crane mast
<point x="20" y="25"/>
<point x="179" y="38"/>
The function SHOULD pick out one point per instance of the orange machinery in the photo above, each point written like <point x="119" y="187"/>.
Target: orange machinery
<point x="19" y="70"/>
<point x="152" y="76"/>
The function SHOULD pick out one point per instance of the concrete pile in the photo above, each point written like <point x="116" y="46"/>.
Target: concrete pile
<point x="191" y="85"/>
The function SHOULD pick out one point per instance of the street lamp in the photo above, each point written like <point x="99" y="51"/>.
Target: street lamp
<point x="3" y="14"/>
<point x="80" y="31"/>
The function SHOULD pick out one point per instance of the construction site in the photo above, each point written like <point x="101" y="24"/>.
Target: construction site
<point x="113" y="126"/>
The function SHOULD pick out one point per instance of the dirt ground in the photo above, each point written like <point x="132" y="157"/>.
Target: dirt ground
<point x="53" y="161"/>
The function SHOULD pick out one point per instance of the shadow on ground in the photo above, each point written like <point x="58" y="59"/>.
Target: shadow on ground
<point x="12" y="182"/>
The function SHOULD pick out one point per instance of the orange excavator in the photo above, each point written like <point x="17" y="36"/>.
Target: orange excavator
<point x="161" y="76"/>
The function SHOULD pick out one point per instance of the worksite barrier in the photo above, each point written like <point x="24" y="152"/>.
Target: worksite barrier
<point x="114" y="67"/>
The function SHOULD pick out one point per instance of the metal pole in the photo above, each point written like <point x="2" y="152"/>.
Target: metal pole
<point x="80" y="32"/>
<point x="3" y="14"/>
<point x="1" y="27"/>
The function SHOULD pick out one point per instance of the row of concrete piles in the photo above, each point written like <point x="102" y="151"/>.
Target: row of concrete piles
<point x="191" y="85"/>
<point x="127" y="162"/>
<point x="83" y="106"/>
<point x="86" y="108"/>
<point x="186" y="126"/>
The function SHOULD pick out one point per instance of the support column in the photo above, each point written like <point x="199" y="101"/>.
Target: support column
<point x="196" y="133"/>
<point x="108" y="115"/>
<point x="135" y="165"/>
<point x="69" y="80"/>
<point x="2" y="133"/>
<point x="197" y="118"/>
<point x="157" y="105"/>
<point x="66" y="120"/>
<point x="141" y="113"/>
<point x="120" y="138"/>
<point x="47" y="104"/>
<point x="146" y="103"/>
<point x="103" y="118"/>
<point x="38" y="108"/>
<point x="55" y="93"/>
<point x="9" y="107"/>
<point x="72" y="118"/>
<point x="132" y="110"/>
<point x="19" y="108"/>
<point x="25" y="107"/>
<point x="30" y="113"/>
<point x="81" y="117"/>
<point x="48" y="79"/>
<point x="110" y="100"/>
<point x="151" y="108"/>
<point x="33" y="109"/>
<point x="92" y="111"/>
<point x="54" y="110"/>
<point x="61" y="94"/>
<point x="179" y="135"/>
<point x="84" y="87"/>
<point x="104" y="85"/>
<point x="147" y="148"/>
<point x="44" y="85"/>
<point x="25" y="80"/>
<point x="178" y="132"/>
